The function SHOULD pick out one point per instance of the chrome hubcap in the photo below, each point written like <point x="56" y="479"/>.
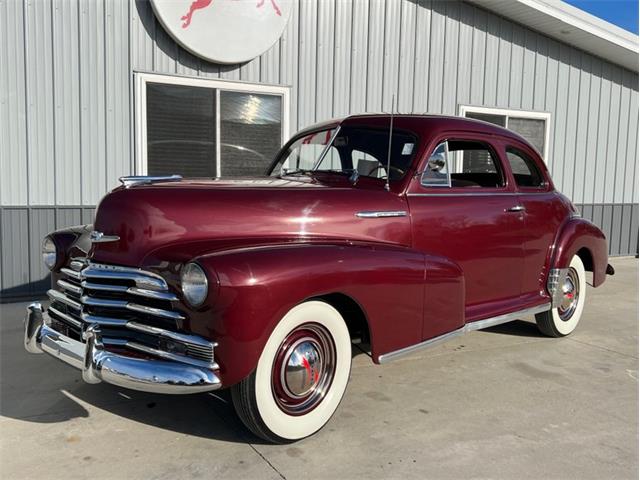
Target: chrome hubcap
<point x="570" y="295"/>
<point x="303" y="369"/>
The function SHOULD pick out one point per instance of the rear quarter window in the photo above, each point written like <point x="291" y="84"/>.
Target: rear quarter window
<point x="524" y="169"/>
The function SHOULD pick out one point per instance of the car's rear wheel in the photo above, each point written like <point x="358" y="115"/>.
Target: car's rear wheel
<point x="301" y="376"/>
<point x="562" y="320"/>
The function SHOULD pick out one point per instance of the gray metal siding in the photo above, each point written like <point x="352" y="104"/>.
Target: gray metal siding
<point x="66" y="94"/>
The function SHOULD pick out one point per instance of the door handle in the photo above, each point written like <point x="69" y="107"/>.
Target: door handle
<point x="517" y="208"/>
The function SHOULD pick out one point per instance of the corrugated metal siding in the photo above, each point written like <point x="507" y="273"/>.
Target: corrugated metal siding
<point x="66" y="93"/>
<point x="67" y="115"/>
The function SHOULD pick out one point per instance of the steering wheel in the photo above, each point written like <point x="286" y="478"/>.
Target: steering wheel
<point x="391" y="167"/>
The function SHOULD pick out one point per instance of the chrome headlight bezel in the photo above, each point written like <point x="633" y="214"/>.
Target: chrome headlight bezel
<point x="49" y="252"/>
<point x="194" y="284"/>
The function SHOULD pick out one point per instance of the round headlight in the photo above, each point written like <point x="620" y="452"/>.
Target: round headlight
<point x="49" y="253"/>
<point x="194" y="284"/>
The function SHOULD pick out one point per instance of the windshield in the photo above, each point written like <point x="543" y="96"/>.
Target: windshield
<point x="349" y="148"/>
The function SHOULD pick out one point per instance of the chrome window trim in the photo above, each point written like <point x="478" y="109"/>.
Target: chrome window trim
<point x="461" y="194"/>
<point x="468" y="327"/>
<point x="326" y="148"/>
<point x="446" y="159"/>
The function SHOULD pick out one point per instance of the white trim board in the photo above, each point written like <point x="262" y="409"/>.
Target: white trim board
<point x="506" y="112"/>
<point x="140" y="125"/>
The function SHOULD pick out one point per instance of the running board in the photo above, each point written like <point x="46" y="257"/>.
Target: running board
<point x="469" y="327"/>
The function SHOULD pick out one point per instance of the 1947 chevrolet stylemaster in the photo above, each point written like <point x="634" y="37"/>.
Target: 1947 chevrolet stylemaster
<point x="398" y="231"/>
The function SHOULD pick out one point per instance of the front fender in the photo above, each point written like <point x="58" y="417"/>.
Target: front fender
<point x="575" y="235"/>
<point x="257" y="286"/>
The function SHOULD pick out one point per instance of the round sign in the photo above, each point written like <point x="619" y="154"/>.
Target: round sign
<point x="224" y="31"/>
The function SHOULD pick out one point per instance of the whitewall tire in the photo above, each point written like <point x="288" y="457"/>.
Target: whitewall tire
<point x="301" y="376"/>
<point x="562" y="320"/>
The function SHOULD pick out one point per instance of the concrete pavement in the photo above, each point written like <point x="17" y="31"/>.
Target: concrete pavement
<point x="499" y="403"/>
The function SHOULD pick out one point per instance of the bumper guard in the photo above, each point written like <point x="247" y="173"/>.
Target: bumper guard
<point x="98" y="364"/>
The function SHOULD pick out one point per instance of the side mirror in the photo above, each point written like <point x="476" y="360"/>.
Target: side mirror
<point x="436" y="162"/>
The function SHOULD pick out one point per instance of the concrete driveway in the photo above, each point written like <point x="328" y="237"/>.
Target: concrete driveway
<point x="499" y="403"/>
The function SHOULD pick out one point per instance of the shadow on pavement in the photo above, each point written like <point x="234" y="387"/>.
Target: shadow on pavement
<point x="40" y="389"/>
<point x="518" y="328"/>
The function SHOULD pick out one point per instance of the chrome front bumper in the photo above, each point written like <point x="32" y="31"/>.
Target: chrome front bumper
<point x="98" y="364"/>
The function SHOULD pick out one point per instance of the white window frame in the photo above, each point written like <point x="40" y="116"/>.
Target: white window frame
<point x="141" y="80"/>
<point x="546" y="116"/>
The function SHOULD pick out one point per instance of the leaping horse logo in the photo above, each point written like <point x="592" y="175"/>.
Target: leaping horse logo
<point x="200" y="4"/>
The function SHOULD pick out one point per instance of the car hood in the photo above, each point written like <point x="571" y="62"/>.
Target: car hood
<point x="181" y="220"/>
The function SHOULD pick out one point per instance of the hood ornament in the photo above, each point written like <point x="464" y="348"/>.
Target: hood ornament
<point x="99" y="237"/>
<point x="147" y="179"/>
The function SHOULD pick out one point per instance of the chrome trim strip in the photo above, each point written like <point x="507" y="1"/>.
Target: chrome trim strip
<point x="507" y="317"/>
<point x="98" y="364"/>
<point x="134" y="180"/>
<point x="66" y="317"/>
<point x="141" y="292"/>
<point x="109" y="303"/>
<point x="381" y="214"/>
<point x="71" y="273"/>
<point x="158" y="312"/>
<point x="197" y="342"/>
<point x="143" y="279"/>
<point x="99" y="237"/>
<point x="57" y="296"/>
<point x="103" y="302"/>
<point x="152" y="294"/>
<point x="77" y="265"/>
<point x="105" y="321"/>
<point x="461" y="194"/>
<point x="104" y="287"/>
<point x="556" y="275"/>
<point x="171" y="356"/>
<point x="69" y="286"/>
<point x="469" y="327"/>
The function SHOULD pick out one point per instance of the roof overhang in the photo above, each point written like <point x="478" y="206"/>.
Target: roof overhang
<point x="572" y="26"/>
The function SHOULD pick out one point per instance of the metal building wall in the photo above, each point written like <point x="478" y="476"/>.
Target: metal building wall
<point x="66" y="99"/>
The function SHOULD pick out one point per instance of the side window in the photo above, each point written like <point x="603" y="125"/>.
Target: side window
<point x="436" y="173"/>
<point x="474" y="165"/>
<point x="463" y="164"/>
<point x="524" y="169"/>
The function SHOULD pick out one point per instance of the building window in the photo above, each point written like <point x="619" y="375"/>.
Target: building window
<point x="533" y="126"/>
<point x="207" y="128"/>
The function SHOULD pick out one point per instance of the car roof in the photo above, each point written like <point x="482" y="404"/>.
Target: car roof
<point x="434" y="124"/>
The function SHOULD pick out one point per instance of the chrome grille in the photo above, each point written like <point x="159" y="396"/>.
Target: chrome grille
<point x="133" y="308"/>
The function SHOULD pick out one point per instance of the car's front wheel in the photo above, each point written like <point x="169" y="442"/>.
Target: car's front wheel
<point x="301" y="376"/>
<point x="562" y="320"/>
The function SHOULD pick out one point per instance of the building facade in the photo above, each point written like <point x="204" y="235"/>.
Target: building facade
<point x="92" y="90"/>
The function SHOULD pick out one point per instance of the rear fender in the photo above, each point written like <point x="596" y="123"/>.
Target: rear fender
<point x="578" y="234"/>
<point x="256" y="287"/>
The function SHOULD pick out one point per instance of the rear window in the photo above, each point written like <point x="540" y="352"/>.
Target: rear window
<point x="524" y="169"/>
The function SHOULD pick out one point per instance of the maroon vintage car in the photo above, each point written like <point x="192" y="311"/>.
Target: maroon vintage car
<point x="396" y="232"/>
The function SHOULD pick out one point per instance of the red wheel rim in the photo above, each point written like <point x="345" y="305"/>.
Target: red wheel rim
<point x="303" y="369"/>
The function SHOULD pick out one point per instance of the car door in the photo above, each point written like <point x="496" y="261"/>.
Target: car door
<point x="544" y="212"/>
<point x="464" y="207"/>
